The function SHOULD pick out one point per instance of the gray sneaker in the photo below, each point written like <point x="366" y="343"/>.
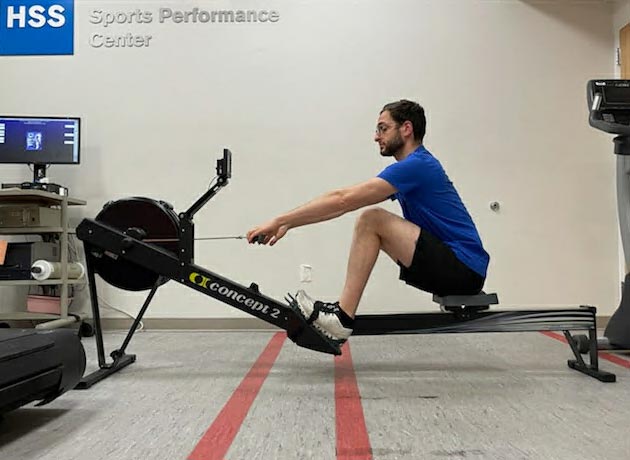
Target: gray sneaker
<point x="323" y="316"/>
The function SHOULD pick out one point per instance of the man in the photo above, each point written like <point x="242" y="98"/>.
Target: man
<point x="436" y="244"/>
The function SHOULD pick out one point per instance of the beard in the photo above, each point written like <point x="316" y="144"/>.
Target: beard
<point x="392" y="147"/>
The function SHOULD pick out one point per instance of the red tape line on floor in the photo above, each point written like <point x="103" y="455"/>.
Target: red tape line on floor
<point x="217" y="440"/>
<point x="353" y="442"/>
<point x="602" y="354"/>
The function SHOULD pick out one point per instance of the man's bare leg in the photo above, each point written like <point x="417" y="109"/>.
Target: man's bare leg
<point x="376" y="229"/>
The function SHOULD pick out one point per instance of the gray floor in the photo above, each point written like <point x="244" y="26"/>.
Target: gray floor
<point x="479" y="396"/>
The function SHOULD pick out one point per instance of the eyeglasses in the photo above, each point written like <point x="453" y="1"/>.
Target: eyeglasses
<point x="382" y="128"/>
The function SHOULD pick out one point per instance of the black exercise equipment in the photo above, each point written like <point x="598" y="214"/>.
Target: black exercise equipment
<point x="38" y="365"/>
<point x="609" y="111"/>
<point x="140" y="243"/>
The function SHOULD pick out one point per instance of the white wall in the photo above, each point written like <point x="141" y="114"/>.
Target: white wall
<point x="503" y="84"/>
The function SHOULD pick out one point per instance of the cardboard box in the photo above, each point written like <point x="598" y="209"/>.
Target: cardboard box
<point x="44" y="304"/>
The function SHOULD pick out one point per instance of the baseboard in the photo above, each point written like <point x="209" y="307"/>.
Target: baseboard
<point x="204" y="324"/>
<point x="602" y="322"/>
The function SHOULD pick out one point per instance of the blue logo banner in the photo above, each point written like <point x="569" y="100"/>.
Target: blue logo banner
<point x="36" y="27"/>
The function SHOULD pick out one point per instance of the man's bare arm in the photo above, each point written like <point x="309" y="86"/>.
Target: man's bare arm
<point x="328" y="206"/>
<point x="338" y="202"/>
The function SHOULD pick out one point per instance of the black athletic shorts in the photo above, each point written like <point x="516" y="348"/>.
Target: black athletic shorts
<point x="437" y="270"/>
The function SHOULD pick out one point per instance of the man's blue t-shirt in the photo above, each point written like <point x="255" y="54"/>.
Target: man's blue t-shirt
<point x="429" y="200"/>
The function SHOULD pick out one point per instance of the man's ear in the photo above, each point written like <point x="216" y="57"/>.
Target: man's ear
<point x="408" y="127"/>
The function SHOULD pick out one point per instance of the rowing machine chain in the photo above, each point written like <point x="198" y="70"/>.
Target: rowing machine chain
<point x="135" y="233"/>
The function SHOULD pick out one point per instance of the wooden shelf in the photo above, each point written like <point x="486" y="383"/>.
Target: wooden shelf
<point x="39" y="283"/>
<point x="29" y="230"/>
<point x="19" y="197"/>
<point x="36" y="196"/>
<point x="20" y="315"/>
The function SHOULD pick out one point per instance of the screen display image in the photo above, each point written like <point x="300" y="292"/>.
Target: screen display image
<point x="39" y="140"/>
<point x="617" y="95"/>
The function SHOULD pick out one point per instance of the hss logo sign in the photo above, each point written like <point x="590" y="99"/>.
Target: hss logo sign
<point x="36" y="27"/>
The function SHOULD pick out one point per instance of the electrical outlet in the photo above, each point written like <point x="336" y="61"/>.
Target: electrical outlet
<point x="306" y="273"/>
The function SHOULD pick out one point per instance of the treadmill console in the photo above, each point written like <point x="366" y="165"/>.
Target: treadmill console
<point x="609" y="105"/>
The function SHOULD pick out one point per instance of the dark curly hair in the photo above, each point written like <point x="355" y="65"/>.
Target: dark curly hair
<point x="405" y="110"/>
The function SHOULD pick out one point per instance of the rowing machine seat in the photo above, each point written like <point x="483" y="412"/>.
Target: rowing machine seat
<point x="477" y="302"/>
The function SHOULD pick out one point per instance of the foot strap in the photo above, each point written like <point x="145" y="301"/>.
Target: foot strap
<point x="318" y="306"/>
<point x="315" y="313"/>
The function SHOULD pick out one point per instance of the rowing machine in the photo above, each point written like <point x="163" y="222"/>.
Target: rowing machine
<point x="139" y="244"/>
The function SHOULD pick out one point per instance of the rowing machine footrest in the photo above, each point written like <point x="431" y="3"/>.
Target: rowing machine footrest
<point x="305" y="335"/>
<point x="478" y="302"/>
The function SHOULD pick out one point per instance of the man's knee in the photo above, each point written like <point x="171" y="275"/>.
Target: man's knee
<point x="372" y="219"/>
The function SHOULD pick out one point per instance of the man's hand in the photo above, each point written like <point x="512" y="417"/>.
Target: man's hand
<point x="268" y="233"/>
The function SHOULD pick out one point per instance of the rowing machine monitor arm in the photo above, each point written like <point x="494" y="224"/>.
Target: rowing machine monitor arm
<point x="224" y="172"/>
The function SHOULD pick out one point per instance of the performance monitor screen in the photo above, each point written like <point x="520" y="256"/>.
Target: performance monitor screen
<point x="39" y="140"/>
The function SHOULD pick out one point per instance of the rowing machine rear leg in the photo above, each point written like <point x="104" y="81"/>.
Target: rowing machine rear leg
<point x="580" y="365"/>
